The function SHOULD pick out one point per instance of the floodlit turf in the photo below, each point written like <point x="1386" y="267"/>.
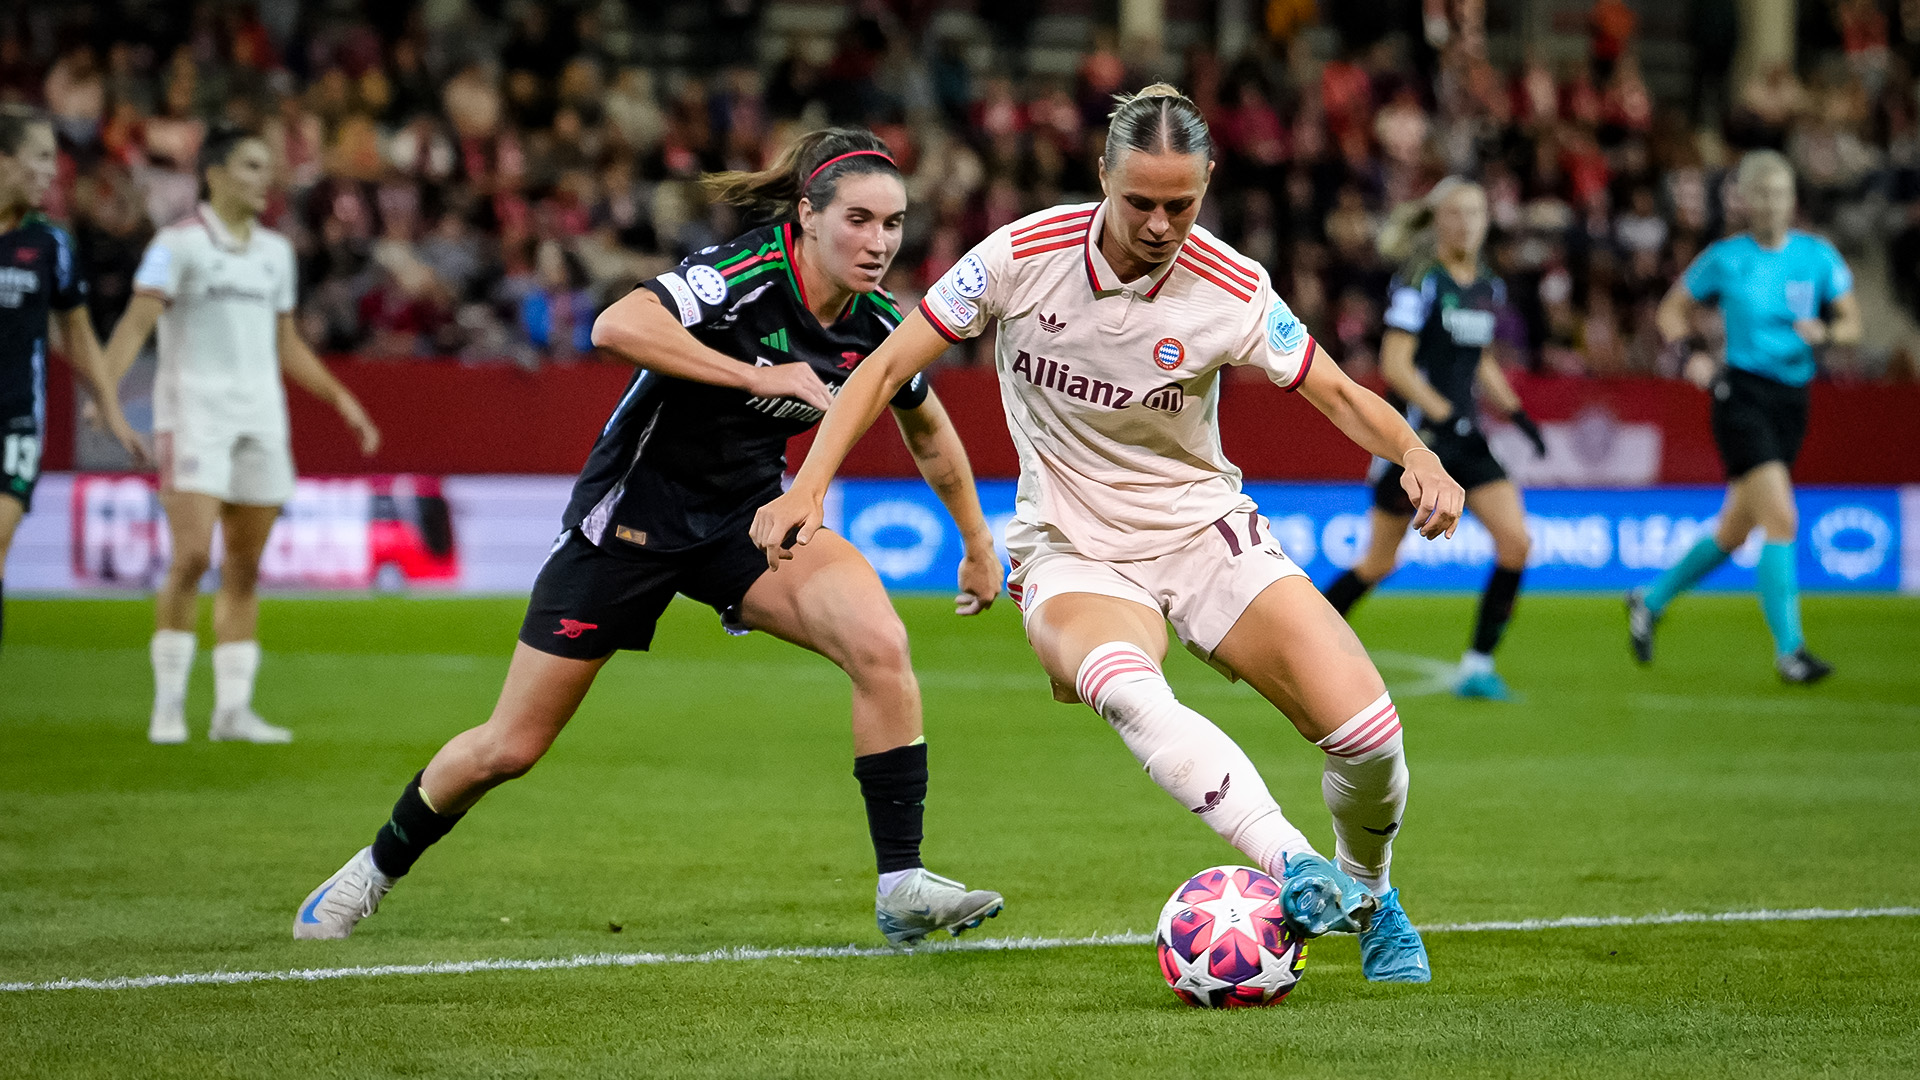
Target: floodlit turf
<point x="704" y="799"/>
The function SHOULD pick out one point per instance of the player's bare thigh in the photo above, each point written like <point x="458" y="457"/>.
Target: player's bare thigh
<point x="827" y="598"/>
<point x="1067" y="626"/>
<point x="190" y="519"/>
<point x="1763" y="497"/>
<point x="1385" y="533"/>
<point x="1498" y="506"/>
<point x="11" y="511"/>
<point x="1298" y="652"/>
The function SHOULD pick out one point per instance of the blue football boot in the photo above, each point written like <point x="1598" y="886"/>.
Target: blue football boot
<point x="1320" y="898"/>
<point x="1391" y="949"/>
<point x="1486" y="685"/>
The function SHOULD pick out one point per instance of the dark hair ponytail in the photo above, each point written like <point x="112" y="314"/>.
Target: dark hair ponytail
<point x="1160" y="120"/>
<point x="15" y="121"/>
<point x="775" y="191"/>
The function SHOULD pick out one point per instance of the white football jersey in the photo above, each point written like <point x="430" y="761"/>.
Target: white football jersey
<point x="219" y="336"/>
<point x="1112" y="388"/>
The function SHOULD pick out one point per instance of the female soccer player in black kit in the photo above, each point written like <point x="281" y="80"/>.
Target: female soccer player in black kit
<point x="738" y="349"/>
<point x="39" y="281"/>
<point x="1440" y="320"/>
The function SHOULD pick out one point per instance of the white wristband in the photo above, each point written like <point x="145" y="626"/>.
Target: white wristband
<point x="1428" y="449"/>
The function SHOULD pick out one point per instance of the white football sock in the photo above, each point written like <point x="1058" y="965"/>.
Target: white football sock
<point x="1475" y="663"/>
<point x="172" y="653"/>
<point x="1365" y="785"/>
<point x="889" y="880"/>
<point x="234" y="664"/>
<point x="1190" y="758"/>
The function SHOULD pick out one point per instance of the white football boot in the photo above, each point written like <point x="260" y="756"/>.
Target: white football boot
<point x="924" y="901"/>
<point x="341" y="901"/>
<point x="167" y="727"/>
<point x="245" y="725"/>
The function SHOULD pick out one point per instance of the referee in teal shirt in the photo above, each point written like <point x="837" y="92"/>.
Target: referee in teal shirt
<point x="1773" y="285"/>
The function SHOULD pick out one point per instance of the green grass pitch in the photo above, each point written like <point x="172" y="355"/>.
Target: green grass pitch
<point x="704" y="799"/>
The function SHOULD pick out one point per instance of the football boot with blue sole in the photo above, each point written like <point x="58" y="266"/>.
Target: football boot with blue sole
<point x="925" y="902"/>
<point x="332" y="910"/>
<point x="1391" y="949"/>
<point x="1484" y="685"/>
<point x="1319" y="898"/>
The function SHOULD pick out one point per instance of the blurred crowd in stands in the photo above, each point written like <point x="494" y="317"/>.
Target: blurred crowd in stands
<point x="477" y="178"/>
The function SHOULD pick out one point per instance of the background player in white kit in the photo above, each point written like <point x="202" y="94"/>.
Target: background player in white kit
<point x="221" y="288"/>
<point x="1114" y="322"/>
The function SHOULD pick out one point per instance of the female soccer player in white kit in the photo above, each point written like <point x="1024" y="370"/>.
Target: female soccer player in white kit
<point x="1115" y="319"/>
<point x="221" y="288"/>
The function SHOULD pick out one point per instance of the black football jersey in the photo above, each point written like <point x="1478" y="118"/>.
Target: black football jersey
<point x="679" y="463"/>
<point x="1454" y="324"/>
<point x="38" y="276"/>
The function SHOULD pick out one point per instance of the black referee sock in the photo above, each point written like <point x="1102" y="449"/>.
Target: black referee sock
<point x="413" y="828"/>
<point x="894" y="783"/>
<point x="1346" y="591"/>
<point x="1496" y="607"/>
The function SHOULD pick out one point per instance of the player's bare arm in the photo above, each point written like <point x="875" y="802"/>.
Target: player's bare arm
<point x="300" y="365"/>
<point x="1493" y="384"/>
<point x="907" y="352"/>
<point x="642" y="332"/>
<point x="130" y="334"/>
<point x="82" y="350"/>
<point x="1362" y="416"/>
<point x="936" y="448"/>
<point x="1404" y="378"/>
<point x="1675" y="320"/>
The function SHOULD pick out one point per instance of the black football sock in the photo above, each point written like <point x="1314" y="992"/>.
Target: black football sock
<point x="413" y="828"/>
<point x="1496" y="607"/>
<point x="894" y="783"/>
<point x="1346" y="591"/>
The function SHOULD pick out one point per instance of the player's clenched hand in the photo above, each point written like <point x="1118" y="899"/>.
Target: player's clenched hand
<point x="795" y="381"/>
<point x="785" y="523"/>
<point x="980" y="577"/>
<point x="1437" y="497"/>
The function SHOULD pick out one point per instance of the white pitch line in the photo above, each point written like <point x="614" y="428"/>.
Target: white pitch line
<point x="838" y="952"/>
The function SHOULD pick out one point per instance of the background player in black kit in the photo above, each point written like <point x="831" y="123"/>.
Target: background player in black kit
<point x="1435" y="352"/>
<point x="39" y="281"/>
<point x="737" y="350"/>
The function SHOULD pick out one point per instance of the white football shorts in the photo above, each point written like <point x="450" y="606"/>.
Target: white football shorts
<point x="1202" y="588"/>
<point x="249" y="470"/>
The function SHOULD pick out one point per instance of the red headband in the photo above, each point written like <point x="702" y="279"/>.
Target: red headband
<point x="854" y="153"/>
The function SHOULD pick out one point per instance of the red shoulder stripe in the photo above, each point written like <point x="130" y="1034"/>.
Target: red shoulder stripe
<point x="1214" y="263"/>
<point x="1055" y="220"/>
<point x="1070" y="227"/>
<point x="1226" y="261"/>
<point x="1053" y="245"/>
<point x="1229" y="285"/>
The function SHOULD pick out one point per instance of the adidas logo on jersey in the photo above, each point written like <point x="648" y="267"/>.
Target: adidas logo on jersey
<point x="1054" y="375"/>
<point x="1050" y="324"/>
<point x="776" y="340"/>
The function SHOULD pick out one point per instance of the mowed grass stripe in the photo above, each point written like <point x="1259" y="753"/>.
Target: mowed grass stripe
<point x="842" y="952"/>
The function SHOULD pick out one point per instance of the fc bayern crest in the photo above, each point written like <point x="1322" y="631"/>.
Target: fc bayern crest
<point x="970" y="277"/>
<point x="1169" y="353"/>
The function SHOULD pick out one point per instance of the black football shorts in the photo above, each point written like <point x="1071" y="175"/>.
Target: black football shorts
<point x="589" y="602"/>
<point x="1757" y="420"/>
<point x="1463" y="453"/>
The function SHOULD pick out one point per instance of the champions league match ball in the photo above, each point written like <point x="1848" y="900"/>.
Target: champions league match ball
<point x="1223" y="942"/>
